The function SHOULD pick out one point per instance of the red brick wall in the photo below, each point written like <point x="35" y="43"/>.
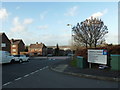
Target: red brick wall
<point x="21" y="47"/>
<point x="14" y="52"/>
<point x="7" y="42"/>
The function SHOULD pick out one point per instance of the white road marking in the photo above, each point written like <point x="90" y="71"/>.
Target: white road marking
<point x="6" y="83"/>
<point x="50" y="59"/>
<point x="32" y="72"/>
<point x="36" y="71"/>
<point x="43" y="68"/>
<point x="18" y="78"/>
<point x="25" y="75"/>
<point x="46" y="67"/>
<point x="40" y="69"/>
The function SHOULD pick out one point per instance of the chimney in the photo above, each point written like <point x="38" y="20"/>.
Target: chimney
<point x="12" y="41"/>
<point x="36" y="43"/>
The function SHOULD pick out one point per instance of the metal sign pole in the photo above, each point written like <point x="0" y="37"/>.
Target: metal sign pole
<point x="89" y="65"/>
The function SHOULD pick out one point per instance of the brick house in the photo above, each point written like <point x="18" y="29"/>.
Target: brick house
<point x="17" y="46"/>
<point x="37" y="49"/>
<point x="4" y="43"/>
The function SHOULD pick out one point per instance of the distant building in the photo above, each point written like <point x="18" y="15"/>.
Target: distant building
<point x="37" y="49"/>
<point x="17" y="46"/>
<point x="65" y="47"/>
<point x="62" y="53"/>
<point x="63" y="50"/>
<point x="4" y="43"/>
<point x="61" y="47"/>
<point x="50" y="51"/>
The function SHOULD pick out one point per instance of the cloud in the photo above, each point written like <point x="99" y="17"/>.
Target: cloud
<point x="43" y="27"/>
<point x="17" y="25"/>
<point x="112" y="38"/>
<point x="42" y="15"/>
<point x="47" y="38"/>
<point x="99" y="14"/>
<point x="3" y="13"/>
<point x="20" y="26"/>
<point x="16" y="21"/>
<point x="53" y="39"/>
<point x="72" y="11"/>
<point x="28" y="21"/>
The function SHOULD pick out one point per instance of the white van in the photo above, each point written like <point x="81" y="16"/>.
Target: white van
<point x="20" y="58"/>
<point x="5" y="57"/>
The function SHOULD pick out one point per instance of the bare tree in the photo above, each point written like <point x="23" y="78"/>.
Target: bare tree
<point x="90" y="32"/>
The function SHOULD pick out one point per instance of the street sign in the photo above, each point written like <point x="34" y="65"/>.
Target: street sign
<point x="97" y="56"/>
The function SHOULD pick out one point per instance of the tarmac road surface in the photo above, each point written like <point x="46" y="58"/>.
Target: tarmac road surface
<point x="36" y="74"/>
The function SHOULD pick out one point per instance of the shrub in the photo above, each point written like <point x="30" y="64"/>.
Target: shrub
<point x="73" y="63"/>
<point x="113" y="49"/>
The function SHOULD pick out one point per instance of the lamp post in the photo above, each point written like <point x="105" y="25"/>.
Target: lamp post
<point x="71" y="39"/>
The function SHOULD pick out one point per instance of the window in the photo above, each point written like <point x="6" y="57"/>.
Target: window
<point x="16" y="55"/>
<point x="35" y="49"/>
<point x="14" y="50"/>
<point x="13" y="54"/>
<point x="13" y="45"/>
<point x="3" y="44"/>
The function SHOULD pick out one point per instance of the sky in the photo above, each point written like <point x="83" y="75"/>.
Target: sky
<point x="46" y="22"/>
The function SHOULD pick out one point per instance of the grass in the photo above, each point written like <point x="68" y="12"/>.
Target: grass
<point x="73" y="63"/>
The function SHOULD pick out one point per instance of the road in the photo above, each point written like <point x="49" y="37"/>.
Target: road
<point x="36" y="74"/>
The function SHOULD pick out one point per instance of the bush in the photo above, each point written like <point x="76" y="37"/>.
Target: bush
<point x="73" y="63"/>
<point x="113" y="49"/>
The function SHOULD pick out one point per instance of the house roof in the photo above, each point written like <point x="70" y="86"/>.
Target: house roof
<point x="1" y="34"/>
<point x="41" y="45"/>
<point x="16" y="41"/>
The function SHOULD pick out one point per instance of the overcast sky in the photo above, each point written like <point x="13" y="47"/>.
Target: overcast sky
<point x="47" y="21"/>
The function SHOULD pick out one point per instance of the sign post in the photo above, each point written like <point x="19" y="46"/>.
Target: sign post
<point x="97" y="56"/>
<point x="90" y="65"/>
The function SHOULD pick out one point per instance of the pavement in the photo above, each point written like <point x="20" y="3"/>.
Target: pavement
<point x="65" y="68"/>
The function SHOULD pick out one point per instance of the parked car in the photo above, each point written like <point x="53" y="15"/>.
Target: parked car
<point x="103" y="67"/>
<point x="20" y="58"/>
<point x="5" y="57"/>
<point x="70" y="55"/>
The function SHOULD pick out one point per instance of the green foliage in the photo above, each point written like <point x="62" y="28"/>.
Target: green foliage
<point x="73" y="63"/>
<point x="57" y="50"/>
<point x="26" y="49"/>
